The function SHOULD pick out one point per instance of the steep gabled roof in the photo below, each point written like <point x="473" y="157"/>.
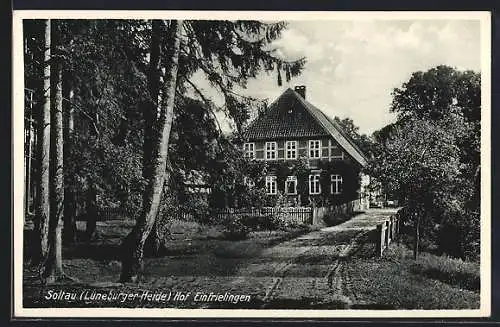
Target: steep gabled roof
<point x="273" y="124"/>
<point x="286" y="117"/>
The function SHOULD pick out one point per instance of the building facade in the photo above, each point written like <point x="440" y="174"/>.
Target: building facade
<point x="293" y="133"/>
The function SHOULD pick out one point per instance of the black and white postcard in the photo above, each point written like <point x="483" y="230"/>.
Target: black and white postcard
<point x="251" y="164"/>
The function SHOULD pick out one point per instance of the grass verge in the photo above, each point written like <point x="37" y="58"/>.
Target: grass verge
<point x="398" y="282"/>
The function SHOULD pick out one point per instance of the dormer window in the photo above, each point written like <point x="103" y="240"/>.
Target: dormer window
<point x="249" y="149"/>
<point x="314" y="148"/>
<point x="271" y="151"/>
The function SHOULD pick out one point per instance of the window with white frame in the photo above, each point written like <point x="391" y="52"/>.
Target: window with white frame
<point x="291" y="185"/>
<point x="271" y="185"/>
<point x="336" y="184"/>
<point x="314" y="184"/>
<point x="249" y="149"/>
<point x="314" y="148"/>
<point x="271" y="152"/>
<point x="291" y="149"/>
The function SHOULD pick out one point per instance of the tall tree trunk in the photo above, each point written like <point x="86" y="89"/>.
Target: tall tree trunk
<point x="150" y="113"/>
<point x="42" y="207"/>
<point x="91" y="211"/>
<point x="69" y="230"/>
<point x="132" y="261"/>
<point x="55" y="268"/>
<point x="151" y="107"/>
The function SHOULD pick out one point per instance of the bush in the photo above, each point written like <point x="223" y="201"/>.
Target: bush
<point x="269" y="222"/>
<point x="332" y="218"/>
<point x="235" y="229"/>
<point x="238" y="226"/>
<point x="260" y="223"/>
<point x="290" y="224"/>
<point x="197" y="208"/>
<point x="449" y="270"/>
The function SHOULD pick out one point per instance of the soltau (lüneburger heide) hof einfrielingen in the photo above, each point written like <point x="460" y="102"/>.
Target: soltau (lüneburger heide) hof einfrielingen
<point x="145" y="296"/>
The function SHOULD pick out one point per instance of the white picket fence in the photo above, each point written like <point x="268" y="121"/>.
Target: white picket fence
<point x="299" y="215"/>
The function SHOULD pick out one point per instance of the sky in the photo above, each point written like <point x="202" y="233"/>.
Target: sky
<point x="353" y="66"/>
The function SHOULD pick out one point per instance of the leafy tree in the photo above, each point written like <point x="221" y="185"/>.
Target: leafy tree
<point x="442" y="91"/>
<point x="421" y="163"/>
<point x="430" y="157"/>
<point x="363" y="141"/>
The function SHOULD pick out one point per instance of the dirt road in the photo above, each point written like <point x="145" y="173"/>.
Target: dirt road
<point x="309" y="270"/>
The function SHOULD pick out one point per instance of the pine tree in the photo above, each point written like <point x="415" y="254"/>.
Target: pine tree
<point x="228" y="53"/>
<point x="54" y="264"/>
<point x="153" y="194"/>
<point x="42" y="207"/>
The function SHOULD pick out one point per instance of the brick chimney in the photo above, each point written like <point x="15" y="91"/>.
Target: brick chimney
<point x="301" y="89"/>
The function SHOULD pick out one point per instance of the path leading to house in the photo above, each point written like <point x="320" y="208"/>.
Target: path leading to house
<point x="310" y="270"/>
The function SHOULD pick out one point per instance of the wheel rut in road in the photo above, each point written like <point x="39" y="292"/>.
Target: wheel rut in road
<point x="309" y="271"/>
<point x="326" y="282"/>
<point x="317" y="272"/>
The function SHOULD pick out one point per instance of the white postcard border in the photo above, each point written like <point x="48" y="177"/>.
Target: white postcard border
<point x="18" y="164"/>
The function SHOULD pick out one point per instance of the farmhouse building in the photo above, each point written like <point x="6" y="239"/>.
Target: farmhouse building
<point x="292" y="132"/>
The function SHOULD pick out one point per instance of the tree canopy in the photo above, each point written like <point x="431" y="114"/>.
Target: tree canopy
<point x="138" y="113"/>
<point x="430" y="156"/>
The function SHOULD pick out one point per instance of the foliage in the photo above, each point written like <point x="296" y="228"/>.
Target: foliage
<point x="363" y="141"/>
<point x="106" y="66"/>
<point x="235" y="228"/>
<point x="236" y="181"/>
<point x="430" y="156"/>
<point x="350" y="181"/>
<point x="449" y="270"/>
<point x="392" y="282"/>
<point x="300" y="169"/>
<point x="283" y="169"/>
<point x="238" y="169"/>
<point x="261" y="222"/>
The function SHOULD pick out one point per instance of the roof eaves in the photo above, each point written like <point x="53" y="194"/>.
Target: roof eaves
<point x="335" y="131"/>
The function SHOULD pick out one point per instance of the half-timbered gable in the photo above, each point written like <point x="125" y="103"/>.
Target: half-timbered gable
<point x="292" y="128"/>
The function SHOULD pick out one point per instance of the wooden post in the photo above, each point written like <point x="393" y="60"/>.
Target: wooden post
<point x="380" y="243"/>
<point x="398" y="226"/>
<point x="387" y="236"/>
<point x="391" y="228"/>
